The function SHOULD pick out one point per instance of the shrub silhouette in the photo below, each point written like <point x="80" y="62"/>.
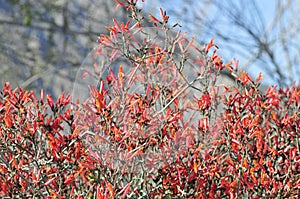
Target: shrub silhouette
<point x="160" y="126"/>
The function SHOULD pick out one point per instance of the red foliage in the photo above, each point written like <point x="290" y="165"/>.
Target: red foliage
<point x="167" y="139"/>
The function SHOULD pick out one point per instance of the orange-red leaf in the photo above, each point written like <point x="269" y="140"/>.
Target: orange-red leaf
<point x="125" y="190"/>
<point x="49" y="181"/>
<point x="154" y="18"/>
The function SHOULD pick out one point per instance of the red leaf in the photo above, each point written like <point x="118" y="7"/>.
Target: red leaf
<point x="49" y="181"/>
<point x="210" y="44"/>
<point x="154" y="18"/>
<point x="125" y="190"/>
<point x="259" y="78"/>
<point x="42" y="96"/>
<point x="69" y="179"/>
<point x="121" y="75"/>
<point x="195" y="167"/>
<point x="244" y="77"/>
<point x="117" y="25"/>
<point x="119" y="3"/>
<point x="50" y="100"/>
<point x="7" y="120"/>
<point x="100" y="194"/>
<point x="245" y="163"/>
<point x="55" y="194"/>
<point x="110" y="188"/>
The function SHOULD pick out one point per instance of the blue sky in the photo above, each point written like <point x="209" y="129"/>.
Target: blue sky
<point x="267" y="8"/>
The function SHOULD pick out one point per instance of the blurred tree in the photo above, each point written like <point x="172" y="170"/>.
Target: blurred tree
<point x="44" y="42"/>
<point x="263" y="35"/>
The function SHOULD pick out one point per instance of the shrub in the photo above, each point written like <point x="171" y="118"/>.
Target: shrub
<point x="159" y="125"/>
